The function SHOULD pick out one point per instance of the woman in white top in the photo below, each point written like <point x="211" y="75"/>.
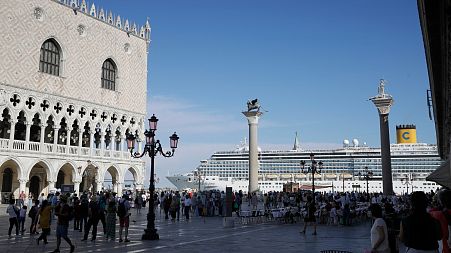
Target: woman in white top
<point x="379" y="233"/>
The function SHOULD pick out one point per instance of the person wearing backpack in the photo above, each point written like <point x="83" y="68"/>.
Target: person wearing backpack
<point x="44" y="213"/>
<point x="22" y="215"/>
<point x="33" y="213"/>
<point x="102" y="211"/>
<point x="124" y="217"/>
<point x="111" y="220"/>
<point x="63" y="212"/>
<point x="93" y="219"/>
<point x="12" y="211"/>
<point x="84" y="211"/>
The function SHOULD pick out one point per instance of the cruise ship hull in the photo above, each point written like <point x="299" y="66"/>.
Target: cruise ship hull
<point x="189" y="183"/>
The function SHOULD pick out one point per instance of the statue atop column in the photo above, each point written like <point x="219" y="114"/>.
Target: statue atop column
<point x="381" y="89"/>
<point x="253" y="105"/>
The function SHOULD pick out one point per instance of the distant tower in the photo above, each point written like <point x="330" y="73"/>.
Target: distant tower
<point x="383" y="103"/>
<point x="253" y="114"/>
<point x="296" y="145"/>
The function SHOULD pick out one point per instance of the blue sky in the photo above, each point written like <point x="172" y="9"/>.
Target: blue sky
<point x="312" y="64"/>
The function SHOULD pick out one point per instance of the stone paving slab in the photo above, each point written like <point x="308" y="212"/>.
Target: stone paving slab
<point x="203" y="235"/>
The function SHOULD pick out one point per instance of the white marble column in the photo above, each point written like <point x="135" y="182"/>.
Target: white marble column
<point x="27" y="134"/>
<point x="41" y="140"/>
<point x="119" y="189"/>
<point x="80" y="140"/>
<point x="91" y="142"/>
<point x="252" y="118"/>
<point x="11" y="133"/>
<point x="68" y="132"/>
<point x="77" y="187"/>
<point x="22" y="185"/>
<point x="55" y="137"/>
<point x="99" y="185"/>
<point x="51" y="186"/>
<point x="102" y="142"/>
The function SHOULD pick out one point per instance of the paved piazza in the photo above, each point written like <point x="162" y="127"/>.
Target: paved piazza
<point x="202" y="235"/>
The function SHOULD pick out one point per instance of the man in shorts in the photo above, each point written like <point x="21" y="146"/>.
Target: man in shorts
<point x="62" y="211"/>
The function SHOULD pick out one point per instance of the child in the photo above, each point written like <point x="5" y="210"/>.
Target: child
<point x="22" y="215"/>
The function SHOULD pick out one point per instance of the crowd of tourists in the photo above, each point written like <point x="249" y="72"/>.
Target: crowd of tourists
<point x="421" y="221"/>
<point x="84" y="212"/>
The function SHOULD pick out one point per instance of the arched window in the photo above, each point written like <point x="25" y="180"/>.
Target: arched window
<point x="49" y="61"/>
<point x="109" y="75"/>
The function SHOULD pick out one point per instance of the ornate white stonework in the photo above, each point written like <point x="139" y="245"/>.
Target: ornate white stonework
<point x="38" y="13"/>
<point x="66" y="128"/>
<point x="382" y="100"/>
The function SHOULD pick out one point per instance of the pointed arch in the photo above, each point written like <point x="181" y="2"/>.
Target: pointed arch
<point x="50" y="57"/>
<point x="68" y="169"/>
<point x="41" y="163"/>
<point x="109" y="74"/>
<point x="20" y="128"/>
<point x="10" y="161"/>
<point x="5" y="125"/>
<point x="35" y="128"/>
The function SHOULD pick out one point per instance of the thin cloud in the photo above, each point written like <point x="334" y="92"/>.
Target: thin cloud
<point x="189" y="118"/>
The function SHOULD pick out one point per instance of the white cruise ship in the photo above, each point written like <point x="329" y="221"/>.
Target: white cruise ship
<point x="411" y="163"/>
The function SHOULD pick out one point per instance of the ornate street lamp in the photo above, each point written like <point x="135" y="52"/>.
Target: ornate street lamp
<point x="366" y="175"/>
<point x="152" y="148"/>
<point x="315" y="167"/>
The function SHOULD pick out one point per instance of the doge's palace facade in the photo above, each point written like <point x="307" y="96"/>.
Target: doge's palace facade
<point x="73" y="83"/>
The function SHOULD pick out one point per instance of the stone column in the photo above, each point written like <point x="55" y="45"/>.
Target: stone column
<point x="91" y="141"/>
<point x="41" y="140"/>
<point x="383" y="103"/>
<point x="119" y="189"/>
<point x="51" y="186"/>
<point x="140" y="142"/>
<point x="55" y="137"/>
<point x="68" y="132"/>
<point x="27" y="134"/>
<point x="99" y="185"/>
<point x="102" y="142"/>
<point x="77" y="187"/>
<point x="80" y="140"/>
<point x="22" y="185"/>
<point x="11" y="133"/>
<point x="122" y="148"/>
<point x="252" y="118"/>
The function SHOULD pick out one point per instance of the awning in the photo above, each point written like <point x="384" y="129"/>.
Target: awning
<point x="442" y="175"/>
<point x="309" y="187"/>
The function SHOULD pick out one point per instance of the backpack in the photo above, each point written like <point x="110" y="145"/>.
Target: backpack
<point x="71" y="213"/>
<point x="102" y="204"/>
<point x="33" y="212"/>
<point x="121" y="210"/>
